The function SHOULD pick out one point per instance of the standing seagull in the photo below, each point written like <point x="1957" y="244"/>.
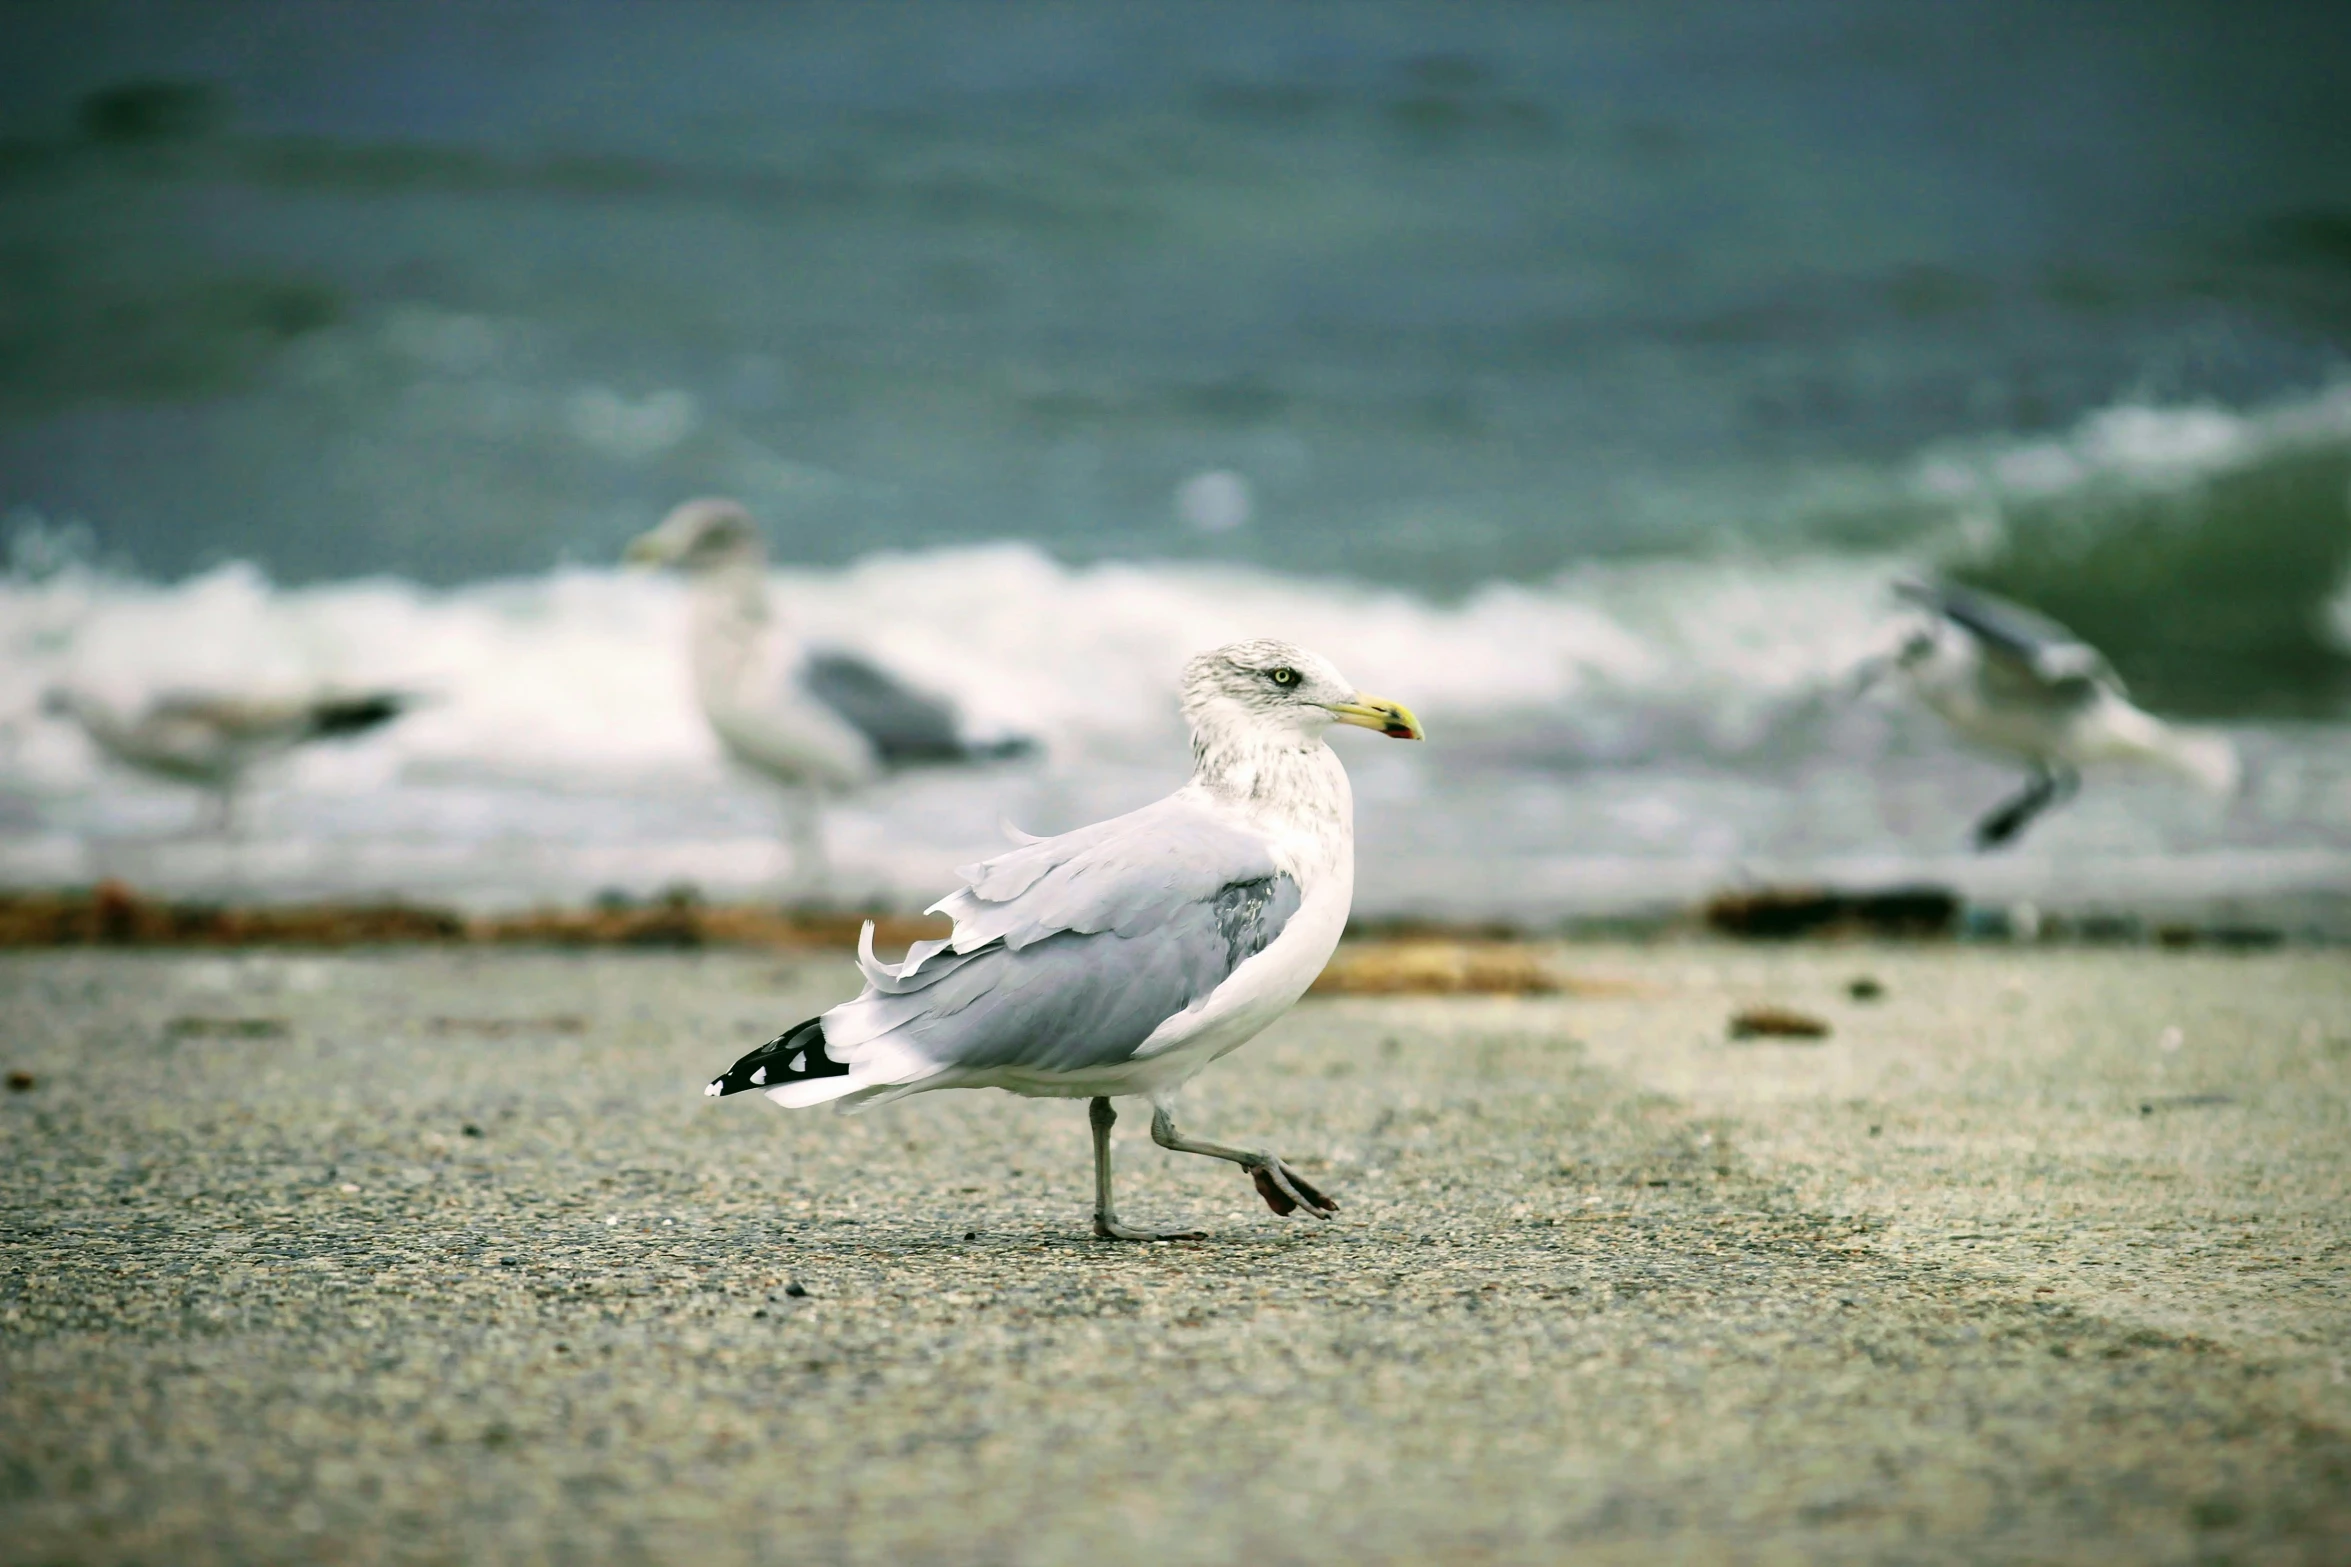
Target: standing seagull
<point x="212" y="741"/>
<point x="2015" y="682"/>
<point x="811" y="720"/>
<point x="1122" y="958"/>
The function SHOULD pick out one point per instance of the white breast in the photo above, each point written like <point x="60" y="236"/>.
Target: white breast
<point x="745" y="671"/>
<point x="1311" y="830"/>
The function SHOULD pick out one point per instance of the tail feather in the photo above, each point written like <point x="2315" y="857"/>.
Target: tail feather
<point x="795" y="1059"/>
<point x="2204" y="758"/>
<point x="2120" y="732"/>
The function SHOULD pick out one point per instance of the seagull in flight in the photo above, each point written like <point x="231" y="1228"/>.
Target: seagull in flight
<point x="1120" y="959"/>
<point x="2016" y="683"/>
<point x="812" y="719"/>
<point x="213" y="740"/>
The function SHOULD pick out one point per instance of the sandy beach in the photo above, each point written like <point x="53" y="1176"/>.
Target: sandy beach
<point x="439" y="1255"/>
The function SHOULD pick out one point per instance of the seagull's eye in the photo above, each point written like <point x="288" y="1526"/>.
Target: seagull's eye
<point x="1285" y="677"/>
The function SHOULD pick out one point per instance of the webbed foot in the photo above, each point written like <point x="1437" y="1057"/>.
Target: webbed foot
<point x="1286" y="1191"/>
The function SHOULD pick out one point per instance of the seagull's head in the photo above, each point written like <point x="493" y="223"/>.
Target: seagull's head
<point x="699" y="536"/>
<point x="1276" y="685"/>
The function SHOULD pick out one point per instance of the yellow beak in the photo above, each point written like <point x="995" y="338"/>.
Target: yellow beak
<point x="648" y="549"/>
<point x="1392" y="719"/>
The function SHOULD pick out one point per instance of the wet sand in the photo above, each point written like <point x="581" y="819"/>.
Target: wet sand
<point x="439" y="1255"/>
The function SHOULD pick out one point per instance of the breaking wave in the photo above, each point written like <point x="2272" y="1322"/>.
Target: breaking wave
<point x="2207" y="550"/>
<point x="1621" y="732"/>
<point x="582" y="671"/>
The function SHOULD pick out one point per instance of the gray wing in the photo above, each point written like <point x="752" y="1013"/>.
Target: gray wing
<point x="906" y="727"/>
<point x="2031" y="643"/>
<point x="1124" y="875"/>
<point x="286" y="720"/>
<point x="1068" y="952"/>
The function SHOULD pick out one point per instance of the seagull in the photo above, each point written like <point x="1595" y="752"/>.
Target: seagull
<point x="1120" y="959"/>
<point x="811" y="719"/>
<point x="2012" y="681"/>
<point x="212" y="740"/>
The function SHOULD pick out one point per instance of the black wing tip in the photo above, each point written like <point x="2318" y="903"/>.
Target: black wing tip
<point x="351" y="715"/>
<point x="1010" y="748"/>
<point x="797" y="1055"/>
<point x="947" y="750"/>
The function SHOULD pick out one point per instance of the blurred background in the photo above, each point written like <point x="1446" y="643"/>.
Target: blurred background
<point x="1580" y="374"/>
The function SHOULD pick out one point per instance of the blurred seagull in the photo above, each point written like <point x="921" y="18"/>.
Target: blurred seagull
<point x="811" y="719"/>
<point x="212" y="740"/>
<point x="2015" y="682"/>
<point x="1122" y="958"/>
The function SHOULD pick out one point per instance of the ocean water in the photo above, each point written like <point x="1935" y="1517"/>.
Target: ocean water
<point x="1619" y="739"/>
<point x="1580" y="375"/>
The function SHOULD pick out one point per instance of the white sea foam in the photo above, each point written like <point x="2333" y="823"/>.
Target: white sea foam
<point x="1626" y="732"/>
<point x="2135" y="445"/>
<point x="582" y="671"/>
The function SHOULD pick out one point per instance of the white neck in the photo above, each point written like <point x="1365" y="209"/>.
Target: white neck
<point x="1289" y="784"/>
<point x="1290" y="787"/>
<point x="730" y="622"/>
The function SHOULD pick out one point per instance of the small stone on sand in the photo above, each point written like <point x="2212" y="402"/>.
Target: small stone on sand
<point x="1776" y="1023"/>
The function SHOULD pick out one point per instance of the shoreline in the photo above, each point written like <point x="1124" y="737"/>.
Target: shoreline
<point x="113" y="914"/>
